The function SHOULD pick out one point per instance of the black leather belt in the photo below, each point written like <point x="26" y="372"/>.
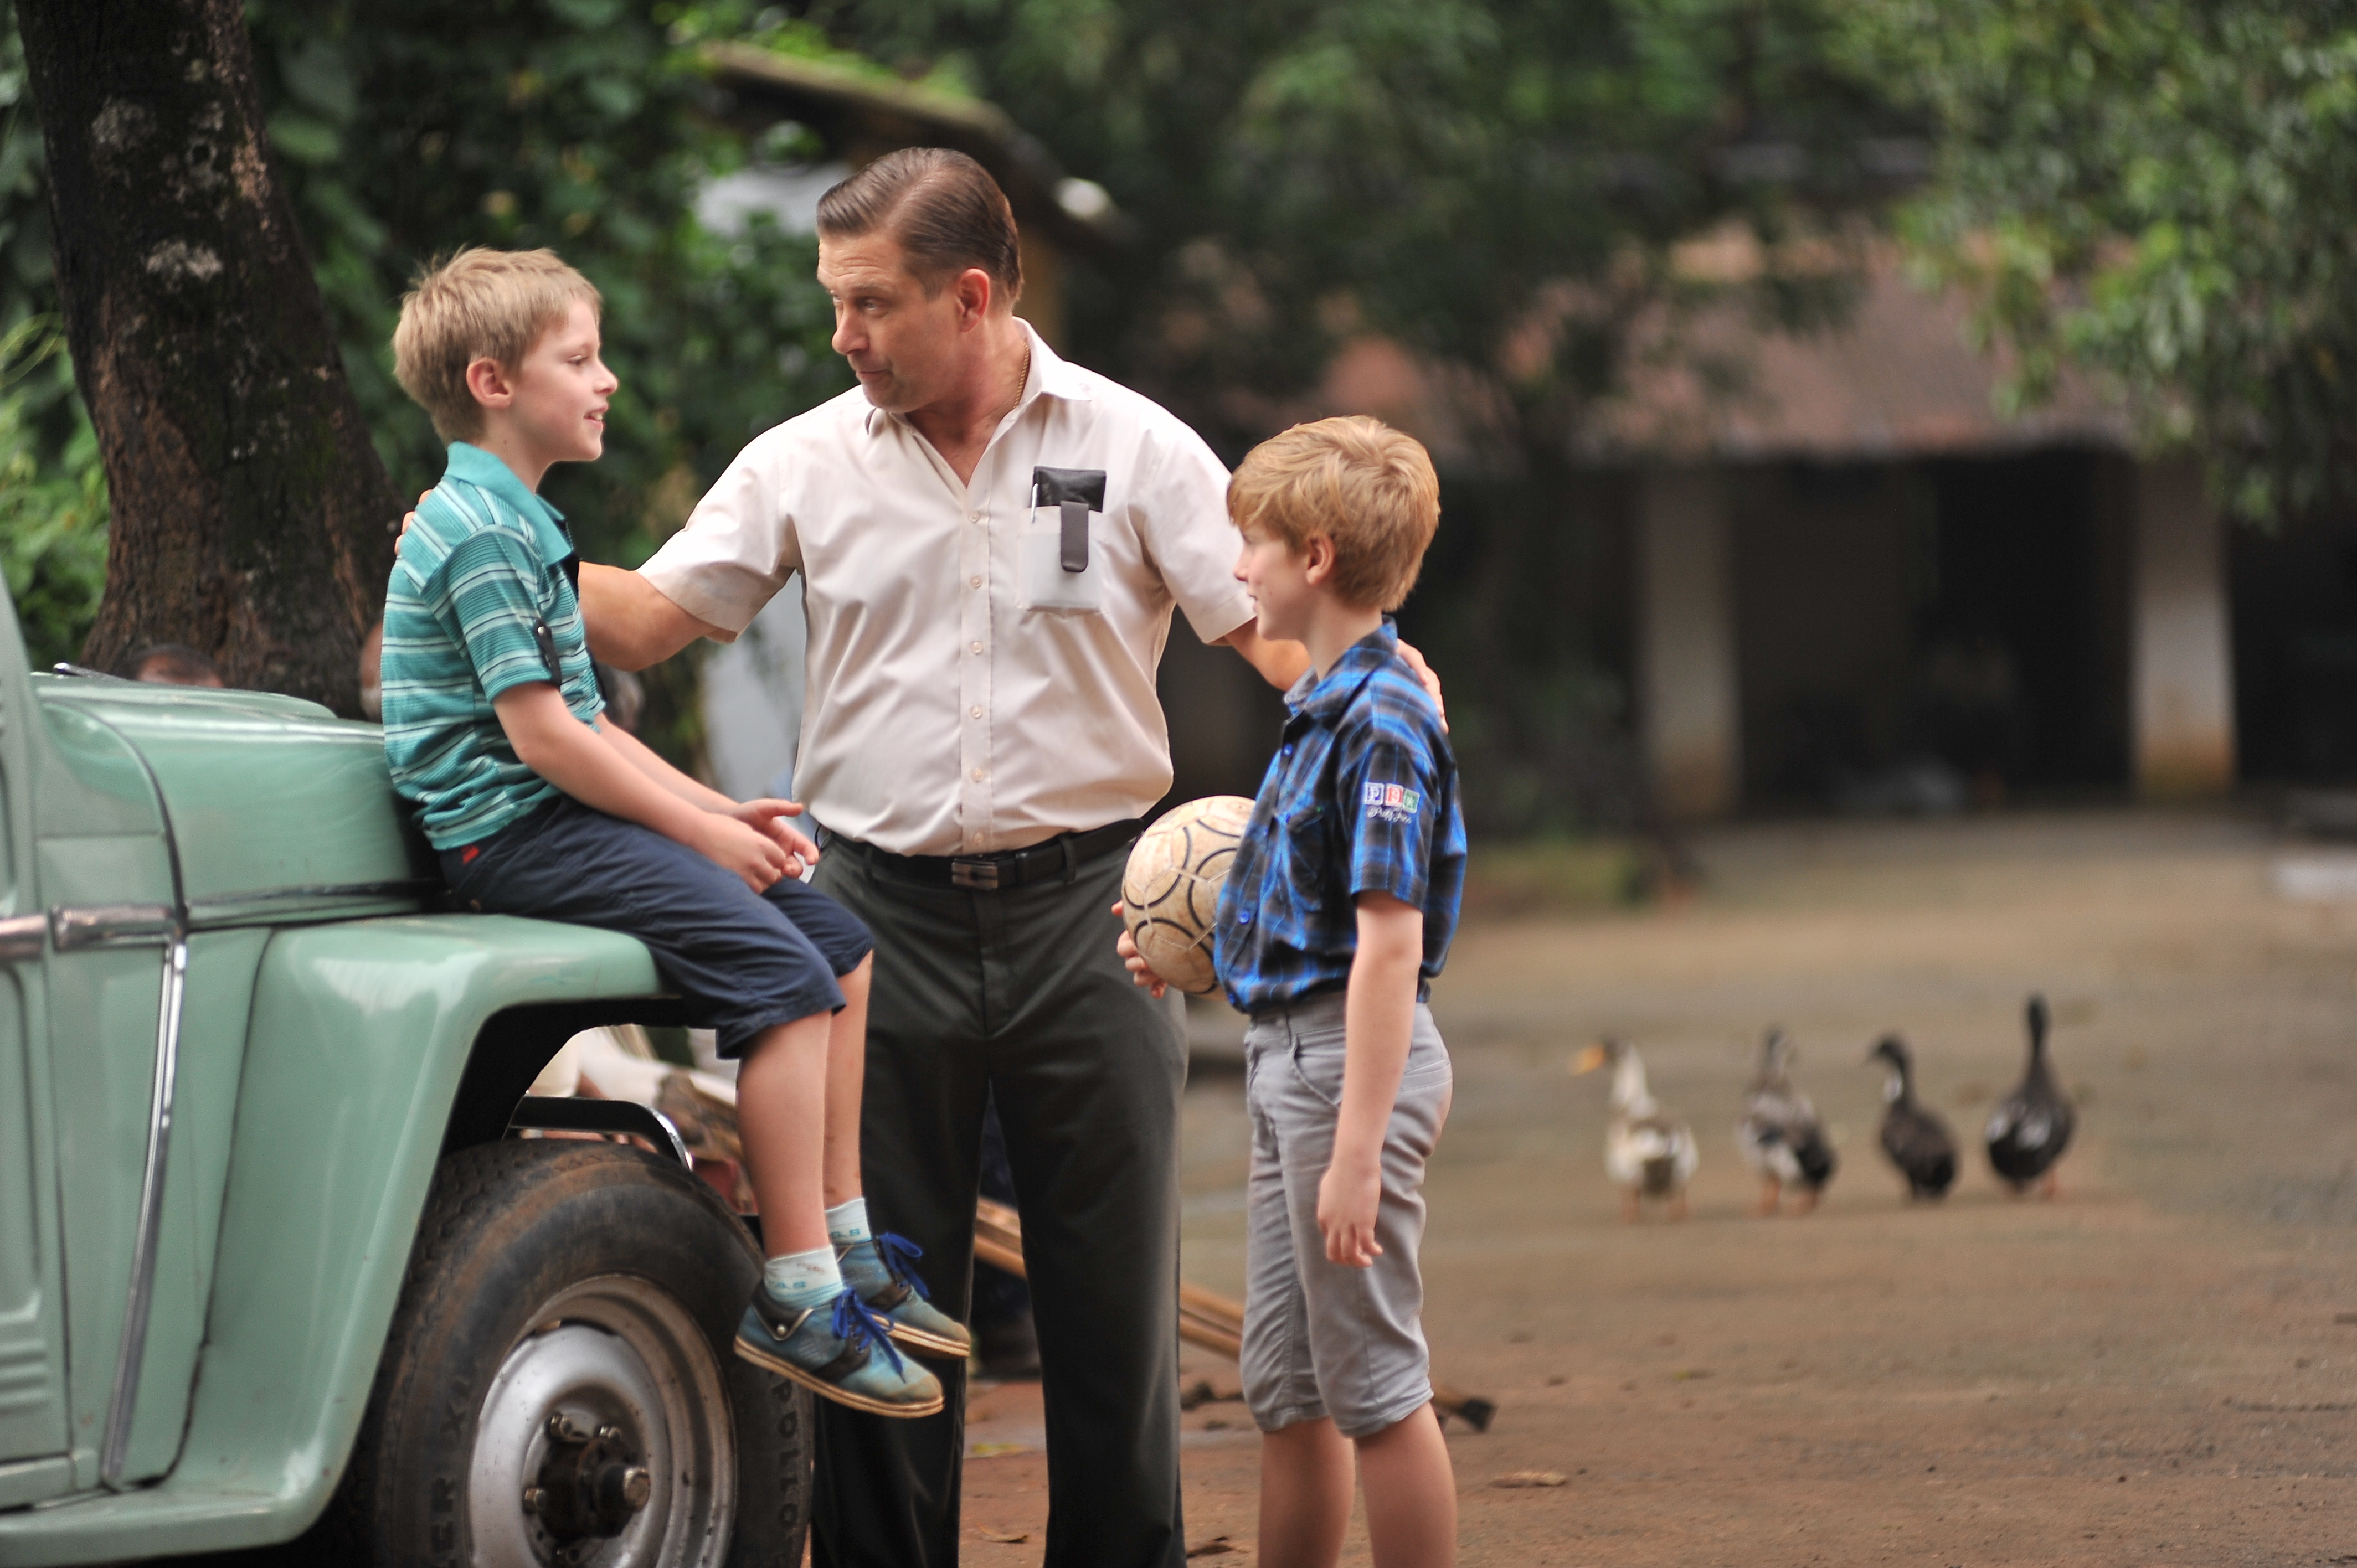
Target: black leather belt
<point x="1054" y="861"/>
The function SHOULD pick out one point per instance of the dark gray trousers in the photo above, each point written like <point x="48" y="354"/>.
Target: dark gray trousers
<point x="1019" y="994"/>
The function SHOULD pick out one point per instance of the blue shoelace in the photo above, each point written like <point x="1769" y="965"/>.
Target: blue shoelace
<point x="855" y="1322"/>
<point x="899" y="1252"/>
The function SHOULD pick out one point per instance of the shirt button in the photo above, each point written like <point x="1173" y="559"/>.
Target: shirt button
<point x="977" y="775"/>
<point x="974" y="582"/>
<point x="977" y="648"/>
<point x="974" y="517"/>
<point x="1244" y="917"/>
<point x="976" y="711"/>
<point x="1288" y="751"/>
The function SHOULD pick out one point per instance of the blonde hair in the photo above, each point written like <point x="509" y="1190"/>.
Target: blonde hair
<point x="1358" y="483"/>
<point x="477" y="304"/>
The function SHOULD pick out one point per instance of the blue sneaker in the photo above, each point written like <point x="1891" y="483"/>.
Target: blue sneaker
<point x="878" y="1271"/>
<point x="840" y="1353"/>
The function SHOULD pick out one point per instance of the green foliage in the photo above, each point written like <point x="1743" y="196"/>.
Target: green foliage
<point x="407" y="128"/>
<point x="2162" y="190"/>
<point x="1495" y="184"/>
<point x="52" y="503"/>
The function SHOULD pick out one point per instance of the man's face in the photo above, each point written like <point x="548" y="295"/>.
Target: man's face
<point x="1280" y="584"/>
<point x="562" y="389"/>
<point x="901" y="344"/>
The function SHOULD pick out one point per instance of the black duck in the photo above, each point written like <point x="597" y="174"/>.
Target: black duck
<point x="1917" y="1142"/>
<point x="2030" y="1127"/>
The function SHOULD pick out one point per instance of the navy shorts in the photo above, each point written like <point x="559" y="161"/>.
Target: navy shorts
<point x="744" y="960"/>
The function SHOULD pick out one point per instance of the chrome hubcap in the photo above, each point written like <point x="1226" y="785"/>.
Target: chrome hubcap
<point x="604" y="1439"/>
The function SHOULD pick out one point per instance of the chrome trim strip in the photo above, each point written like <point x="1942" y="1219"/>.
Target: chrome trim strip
<point x="132" y="1353"/>
<point x="111" y="925"/>
<point x="116" y="922"/>
<point x="543" y="1112"/>
<point x="22" y="937"/>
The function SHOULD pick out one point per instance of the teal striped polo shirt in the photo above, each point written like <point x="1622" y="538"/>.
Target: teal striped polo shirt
<point x="481" y="601"/>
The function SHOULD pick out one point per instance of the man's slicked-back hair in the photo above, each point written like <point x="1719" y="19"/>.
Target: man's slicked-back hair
<point x="943" y="208"/>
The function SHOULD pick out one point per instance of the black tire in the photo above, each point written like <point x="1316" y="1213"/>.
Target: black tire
<point x="509" y="1230"/>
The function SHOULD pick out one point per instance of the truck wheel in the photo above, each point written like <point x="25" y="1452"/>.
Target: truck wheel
<point x="559" y="1388"/>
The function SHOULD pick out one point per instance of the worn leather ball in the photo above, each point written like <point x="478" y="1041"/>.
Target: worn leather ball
<point x="1170" y="890"/>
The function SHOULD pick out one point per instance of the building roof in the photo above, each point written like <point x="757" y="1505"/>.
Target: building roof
<point x="1897" y="378"/>
<point x="861" y="118"/>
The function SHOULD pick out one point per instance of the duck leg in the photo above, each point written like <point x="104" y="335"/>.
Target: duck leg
<point x="1629" y="1205"/>
<point x="1809" y="1196"/>
<point x="1772" y="1192"/>
<point x="1678" y="1204"/>
<point x="2051" y="1188"/>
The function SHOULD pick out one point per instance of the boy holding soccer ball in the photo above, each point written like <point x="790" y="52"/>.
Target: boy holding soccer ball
<point x="1337" y="913"/>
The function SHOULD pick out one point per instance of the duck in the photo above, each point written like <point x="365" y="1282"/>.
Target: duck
<point x="1918" y="1143"/>
<point x="1779" y="1134"/>
<point x="2030" y="1127"/>
<point x="1648" y="1153"/>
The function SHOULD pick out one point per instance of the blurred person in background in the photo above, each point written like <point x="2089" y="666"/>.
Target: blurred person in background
<point x="170" y="664"/>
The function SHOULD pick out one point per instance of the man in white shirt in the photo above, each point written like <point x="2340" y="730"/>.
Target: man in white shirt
<point x="991" y="541"/>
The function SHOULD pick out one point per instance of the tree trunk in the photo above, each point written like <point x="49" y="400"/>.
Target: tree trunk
<point x="253" y="519"/>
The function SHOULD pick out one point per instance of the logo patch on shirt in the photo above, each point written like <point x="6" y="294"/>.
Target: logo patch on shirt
<point x="1388" y="802"/>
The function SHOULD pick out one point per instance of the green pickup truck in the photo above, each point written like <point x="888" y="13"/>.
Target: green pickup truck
<point x="274" y="1266"/>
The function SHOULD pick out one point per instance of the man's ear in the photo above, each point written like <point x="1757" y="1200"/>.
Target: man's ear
<point x="975" y="291"/>
<point x="489" y="381"/>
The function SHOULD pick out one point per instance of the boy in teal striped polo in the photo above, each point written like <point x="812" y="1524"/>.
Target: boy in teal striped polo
<point x="492" y="727"/>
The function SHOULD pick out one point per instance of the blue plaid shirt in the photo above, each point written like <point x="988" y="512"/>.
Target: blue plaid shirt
<point x="1361" y="797"/>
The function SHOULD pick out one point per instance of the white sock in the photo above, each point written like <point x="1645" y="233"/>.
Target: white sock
<point x="846" y="1223"/>
<point x="798" y="1280"/>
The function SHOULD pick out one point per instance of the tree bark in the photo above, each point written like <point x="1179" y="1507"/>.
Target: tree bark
<point x="251" y="518"/>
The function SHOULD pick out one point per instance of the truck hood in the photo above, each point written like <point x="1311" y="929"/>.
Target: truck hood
<point x="274" y="808"/>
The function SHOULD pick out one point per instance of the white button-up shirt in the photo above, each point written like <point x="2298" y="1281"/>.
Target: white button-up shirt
<point x="965" y="693"/>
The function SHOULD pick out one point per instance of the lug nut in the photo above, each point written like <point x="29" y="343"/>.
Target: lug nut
<point x="535" y="1498"/>
<point x="610" y="1434"/>
<point x="565" y="1429"/>
<point x="638" y="1486"/>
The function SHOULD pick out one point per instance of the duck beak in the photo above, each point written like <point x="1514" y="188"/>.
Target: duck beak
<point x="1587" y="1060"/>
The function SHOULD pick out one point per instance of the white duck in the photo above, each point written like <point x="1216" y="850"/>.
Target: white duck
<point x="1648" y="1153"/>
<point x="1779" y="1134"/>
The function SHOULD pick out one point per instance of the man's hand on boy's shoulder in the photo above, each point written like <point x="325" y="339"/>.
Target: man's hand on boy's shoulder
<point x="1414" y="657"/>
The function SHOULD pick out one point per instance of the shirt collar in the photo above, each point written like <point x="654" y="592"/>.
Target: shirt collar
<point x="1320" y="696"/>
<point x="1051" y="375"/>
<point x="476" y="467"/>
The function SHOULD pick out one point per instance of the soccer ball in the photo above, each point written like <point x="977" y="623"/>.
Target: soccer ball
<point x="1171" y="888"/>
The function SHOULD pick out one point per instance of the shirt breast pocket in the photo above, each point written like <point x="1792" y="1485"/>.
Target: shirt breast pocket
<point x="1061" y="553"/>
<point x="1306" y="855"/>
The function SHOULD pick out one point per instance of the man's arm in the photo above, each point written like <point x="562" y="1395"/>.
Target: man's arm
<point x="586" y="765"/>
<point x="1279" y="663"/>
<point x="1378" y="1016"/>
<point x="1283" y="663"/>
<point x="632" y="623"/>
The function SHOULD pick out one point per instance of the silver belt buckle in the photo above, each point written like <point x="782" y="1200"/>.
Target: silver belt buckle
<point x="981" y="874"/>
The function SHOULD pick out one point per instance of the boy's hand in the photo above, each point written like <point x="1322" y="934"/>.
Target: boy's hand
<point x="748" y="852"/>
<point x="768" y="817"/>
<point x="409" y="518"/>
<point x="1348" y="1195"/>
<point x="1140" y="973"/>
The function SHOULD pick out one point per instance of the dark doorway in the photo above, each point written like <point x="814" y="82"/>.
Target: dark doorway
<point x="2294" y="607"/>
<point x="2012" y="681"/>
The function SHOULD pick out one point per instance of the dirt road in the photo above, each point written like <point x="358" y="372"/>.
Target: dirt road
<point x="2160" y="1367"/>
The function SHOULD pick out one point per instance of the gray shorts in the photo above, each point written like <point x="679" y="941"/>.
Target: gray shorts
<point x="1321" y="1338"/>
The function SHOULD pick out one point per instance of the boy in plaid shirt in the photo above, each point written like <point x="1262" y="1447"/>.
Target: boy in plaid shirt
<point x="1338" y="912"/>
